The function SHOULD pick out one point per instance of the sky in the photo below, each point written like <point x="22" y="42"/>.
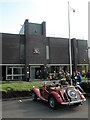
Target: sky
<point x="54" y="12"/>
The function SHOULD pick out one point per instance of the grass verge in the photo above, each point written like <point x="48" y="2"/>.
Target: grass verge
<point x="17" y="89"/>
<point x="19" y="86"/>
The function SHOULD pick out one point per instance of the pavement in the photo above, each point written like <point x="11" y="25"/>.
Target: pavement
<point x="27" y="108"/>
<point x="17" y="98"/>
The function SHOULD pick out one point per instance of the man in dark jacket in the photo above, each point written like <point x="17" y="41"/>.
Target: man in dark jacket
<point x="88" y="75"/>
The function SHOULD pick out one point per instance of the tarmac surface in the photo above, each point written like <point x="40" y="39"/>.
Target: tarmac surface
<point x="26" y="108"/>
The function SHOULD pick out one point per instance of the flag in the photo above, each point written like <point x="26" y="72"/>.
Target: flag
<point x="71" y="9"/>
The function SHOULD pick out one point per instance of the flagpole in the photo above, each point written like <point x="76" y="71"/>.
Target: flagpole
<point x="69" y="42"/>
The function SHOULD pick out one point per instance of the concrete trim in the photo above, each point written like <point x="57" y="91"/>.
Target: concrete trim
<point x="82" y="64"/>
<point x="12" y="64"/>
<point x="35" y="64"/>
<point x="58" y="64"/>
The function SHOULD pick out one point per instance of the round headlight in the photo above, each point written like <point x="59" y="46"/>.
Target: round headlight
<point x="72" y="94"/>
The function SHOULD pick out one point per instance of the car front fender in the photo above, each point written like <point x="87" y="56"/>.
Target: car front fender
<point x="81" y="95"/>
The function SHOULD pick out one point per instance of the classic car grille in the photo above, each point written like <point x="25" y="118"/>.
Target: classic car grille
<point x="66" y="97"/>
<point x="73" y="94"/>
<point x="74" y="99"/>
<point x="61" y="96"/>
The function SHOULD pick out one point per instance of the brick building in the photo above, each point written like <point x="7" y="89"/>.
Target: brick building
<point x="30" y="54"/>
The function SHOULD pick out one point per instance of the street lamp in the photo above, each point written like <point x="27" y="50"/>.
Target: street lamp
<point x="70" y="40"/>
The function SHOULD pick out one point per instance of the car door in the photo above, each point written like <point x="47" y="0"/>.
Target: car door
<point x="44" y="93"/>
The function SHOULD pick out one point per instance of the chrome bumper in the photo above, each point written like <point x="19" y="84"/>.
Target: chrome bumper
<point x="73" y="102"/>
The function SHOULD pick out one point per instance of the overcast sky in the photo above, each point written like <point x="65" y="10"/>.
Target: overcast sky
<point x="53" y="12"/>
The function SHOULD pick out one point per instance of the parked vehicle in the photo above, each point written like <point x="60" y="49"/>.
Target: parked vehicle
<point x="58" y="94"/>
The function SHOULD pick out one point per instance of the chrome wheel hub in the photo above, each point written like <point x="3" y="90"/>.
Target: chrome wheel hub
<point x="52" y="102"/>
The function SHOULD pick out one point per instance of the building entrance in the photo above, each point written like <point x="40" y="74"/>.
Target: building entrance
<point x="36" y="72"/>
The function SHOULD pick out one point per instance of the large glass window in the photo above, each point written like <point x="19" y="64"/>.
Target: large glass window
<point x="52" y="69"/>
<point x="55" y="71"/>
<point x="22" y="51"/>
<point x="14" y="72"/>
<point x="9" y="70"/>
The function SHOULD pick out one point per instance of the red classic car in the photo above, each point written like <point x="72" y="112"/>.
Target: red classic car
<point x="57" y="93"/>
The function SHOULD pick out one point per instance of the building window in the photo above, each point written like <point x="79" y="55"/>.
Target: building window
<point x="14" y="72"/>
<point x="22" y="48"/>
<point x="47" y="52"/>
<point x="9" y="70"/>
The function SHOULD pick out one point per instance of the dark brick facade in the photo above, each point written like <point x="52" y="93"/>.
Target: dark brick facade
<point x="82" y="52"/>
<point x="10" y="49"/>
<point x="33" y="43"/>
<point x="19" y="49"/>
<point x="59" y="51"/>
<point x="0" y="56"/>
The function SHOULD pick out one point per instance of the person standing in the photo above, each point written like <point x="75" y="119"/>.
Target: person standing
<point x="88" y="75"/>
<point x="55" y="75"/>
<point x="79" y="77"/>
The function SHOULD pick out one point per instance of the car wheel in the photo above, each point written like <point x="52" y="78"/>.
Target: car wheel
<point x="52" y="102"/>
<point x="34" y="96"/>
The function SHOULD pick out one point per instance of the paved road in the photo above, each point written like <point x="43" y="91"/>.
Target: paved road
<point x="29" y="109"/>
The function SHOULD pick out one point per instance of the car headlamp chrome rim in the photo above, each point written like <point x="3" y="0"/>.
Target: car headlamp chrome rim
<point x="72" y="94"/>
